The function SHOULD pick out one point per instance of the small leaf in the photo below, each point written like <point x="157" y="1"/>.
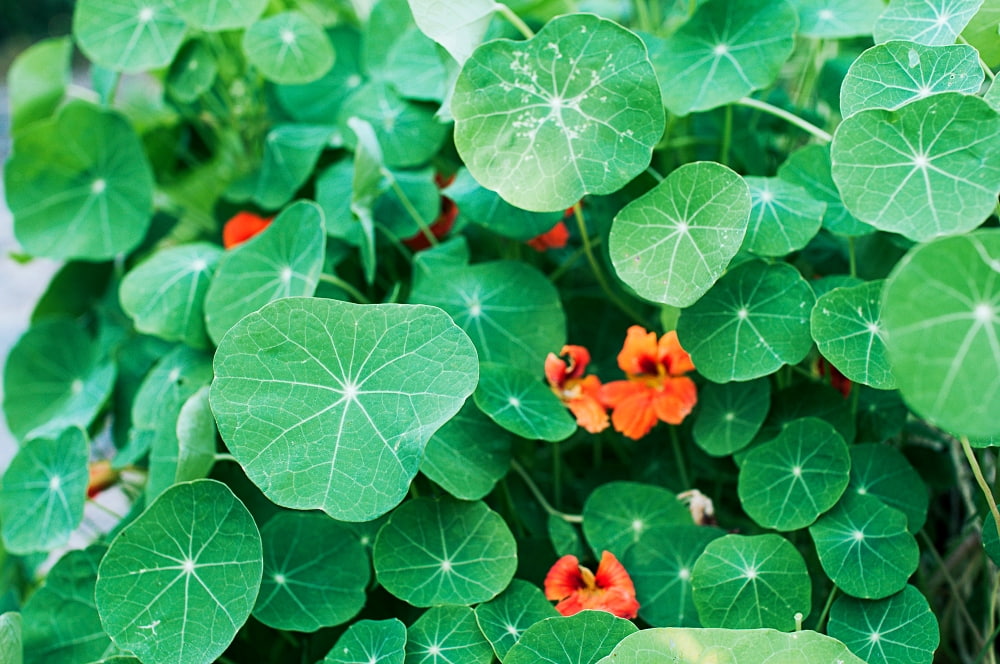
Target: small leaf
<point x="319" y="101"/>
<point x="37" y="81"/>
<point x="444" y="552"/>
<point x="459" y="26"/>
<point x="410" y="61"/>
<point x="468" y="455"/>
<point x="370" y="642"/>
<point x="837" y="19"/>
<point x="447" y="635"/>
<point x="485" y="208"/>
<point x="620" y="514"/>
<point x="674" y="242"/>
<point x="572" y="111"/>
<point x="991" y="538"/>
<point x="900" y="629"/>
<point x="190" y="566"/>
<point x="192" y="72"/>
<point x="220" y="14"/>
<point x="505" y="618"/>
<point x="730" y="415"/>
<point x="11" y="651"/>
<point x="290" y="155"/>
<point x="883" y="472"/>
<point x="582" y="638"/>
<point x="190" y="454"/>
<point x="930" y="22"/>
<point x="783" y="219"/>
<point x="520" y="403"/>
<point x="288" y="48"/>
<point x="128" y="35"/>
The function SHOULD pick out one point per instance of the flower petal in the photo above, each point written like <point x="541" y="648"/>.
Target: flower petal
<point x="674" y="358"/>
<point x="617" y="391"/>
<point x="555" y="370"/>
<point x="579" y="358"/>
<point x="635" y="416"/>
<point x="612" y="574"/>
<point x="555" y="238"/>
<point x="676" y="400"/>
<point x="241" y="227"/>
<point x="639" y="352"/>
<point x="589" y="412"/>
<point x="563" y="579"/>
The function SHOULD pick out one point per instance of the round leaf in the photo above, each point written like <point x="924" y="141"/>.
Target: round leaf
<point x="930" y="168"/>
<point x="186" y="572"/>
<point x="458" y="25"/>
<point x="726" y="50"/>
<point x="572" y="111"/>
<point x="315" y="573"/>
<point x="506" y="617"/>
<point x="847" y="326"/>
<point x="730" y="415"/>
<point x="165" y="295"/>
<point x="328" y="405"/>
<point x="786" y="483"/>
<point x="128" y="35"/>
<point x="290" y="155"/>
<point x="783" y="219"/>
<point x="468" y="455"/>
<point x="288" y="48"/>
<point x="319" y="101"/>
<point x="883" y="472"/>
<point x="743" y="582"/>
<point x="582" y="638"/>
<point x="864" y="546"/>
<point x="447" y="635"/>
<point x="895" y="73"/>
<point x="837" y="19"/>
<point x="809" y="167"/>
<point x="485" y="208"/>
<point x="220" y="14"/>
<point x="284" y="260"/>
<point x="43" y="492"/>
<point x="520" y="403"/>
<point x="940" y="309"/>
<point x="931" y="22"/>
<point x="79" y="185"/>
<point x="900" y="629"/>
<point x="410" y="62"/>
<point x="674" y="242"/>
<point x="620" y="514"/>
<point x="192" y="72"/>
<point x="751" y="323"/>
<point x="444" y="552"/>
<point x="370" y="642"/>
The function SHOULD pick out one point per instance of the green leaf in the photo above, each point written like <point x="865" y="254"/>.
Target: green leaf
<point x="54" y="378"/>
<point x="930" y="168"/>
<point x="726" y="50"/>
<point x="315" y="573"/>
<point x="284" y="260"/>
<point x="809" y="399"/>
<point x="506" y="617"/>
<point x="893" y="74"/>
<point x="443" y="551"/>
<point x="565" y="537"/>
<point x="79" y="185"/>
<point x="900" y="629"/>
<point x="128" y="35"/>
<point x="480" y="206"/>
<point x="37" y="81"/>
<point x="991" y="539"/>
<point x="520" y="403"/>
<point x="365" y="385"/>
<point x="686" y="645"/>
<point x="370" y="642"/>
<point x="582" y="638"/>
<point x="447" y="635"/>
<point x="572" y="111"/>
<point x="165" y="294"/>
<point x="786" y="483"/>
<point x="366" y="186"/>
<point x="730" y="415"/>
<point x="458" y="25"/>
<point x="992" y="96"/>
<point x="188" y="455"/>
<point x="620" y="514"/>
<point x="11" y="651"/>
<point x="319" y="101"/>
<point x="186" y="571"/>
<point x="883" y="472"/>
<point x="864" y="546"/>
<point x="674" y="242"/>
<point x="290" y="155"/>
<point x="744" y="582"/>
<point x="809" y="167"/>
<point x="220" y="14"/>
<point x="940" y="309"/>
<point x="43" y="492"/>
<point x="660" y="565"/>
<point x="783" y="219"/>
<point x="61" y="625"/>
<point x="288" y="48"/>
<point x="847" y="326"/>
<point x="880" y="415"/>
<point x="751" y="323"/>
<point x="837" y="19"/>
<point x="468" y="455"/>
<point x="930" y="22"/>
<point x="192" y="72"/>
<point x="510" y="310"/>
<point x="409" y="61"/>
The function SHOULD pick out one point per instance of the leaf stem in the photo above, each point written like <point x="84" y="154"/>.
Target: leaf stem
<point x="826" y="609"/>
<point x="557" y="474"/>
<point x="344" y="286"/>
<point x="804" y="86"/>
<point x="727" y="134"/>
<point x="986" y="646"/>
<point x="980" y="480"/>
<point x="952" y="585"/>
<point x="791" y="118"/>
<point x="675" y="443"/>
<point x="411" y="210"/>
<point x="225" y="457"/>
<point x="852" y="258"/>
<point x="642" y="14"/>
<point x="595" y="267"/>
<point x="107" y="510"/>
<point x="509" y="14"/>
<point x="536" y="492"/>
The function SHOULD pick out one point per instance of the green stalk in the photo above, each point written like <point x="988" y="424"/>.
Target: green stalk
<point x="557" y="474"/>
<point x="826" y="609"/>
<point x="515" y="20"/>
<point x="727" y="135"/>
<point x="675" y="443"/>
<point x="791" y="118"/>
<point x="852" y="257"/>
<point x="536" y="492"/>
<point x="980" y="480"/>
<point x="345" y="286"/>
<point x="595" y="267"/>
<point x="411" y="210"/>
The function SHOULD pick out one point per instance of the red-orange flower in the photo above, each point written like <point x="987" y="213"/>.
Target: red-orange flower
<point x="101" y="476"/>
<point x="555" y="238"/>
<point x="241" y="227"/>
<point x="656" y="388"/>
<point x="441" y="226"/>
<point x="577" y="588"/>
<point x="838" y="381"/>
<point x="579" y="393"/>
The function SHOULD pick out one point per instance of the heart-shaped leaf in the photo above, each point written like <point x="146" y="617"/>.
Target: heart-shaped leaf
<point x="520" y="403"/>
<point x="128" y="35"/>
<point x="365" y="385"/>
<point x="468" y="455"/>
<point x="674" y="242"/>
<point x="783" y="219"/>
<point x="883" y="472"/>
<point x="505" y="618"/>
<point x="900" y="629"/>
<point x="730" y="415"/>
<point x="288" y="48"/>
<point x="931" y="22"/>
<point x="572" y="111"/>
<point x="582" y="638"/>
<point x="447" y="635"/>
<point x="619" y="514"/>
<point x="370" y="642"/>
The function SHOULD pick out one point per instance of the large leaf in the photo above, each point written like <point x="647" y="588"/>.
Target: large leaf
<point x="328" y="405"/>
<point x="931" y="22"/>
<point x="43" y="491"/>
<point x="468" y="455"/>
<point x="574" y="110"/>
<point x="620" y="514"/>
<point x="837" y="18"/>
<point x="506" y="617"/>
<point x="79" y="185"/>
<point x="582" y="638"/>
<point x="447" y="635"/>
<point x="726" y="50"/>
<point x="754" y="320"/>
<point x="458" y="25"/>
<point x="941" y="315"/>
<point x="288" y="48"/>
<point x="930" y="168"/>
<point x="220" y="14"/>
<point x="674" y="242"/>
<point x="900" y="629"/>
<point x="54" y="378"/>
<point x="186" y="572"/>
<point x="520" y="403"/>
<point x="370" y="642"/>
<point x="444" y="552"/>
<point x="128" y="35"/>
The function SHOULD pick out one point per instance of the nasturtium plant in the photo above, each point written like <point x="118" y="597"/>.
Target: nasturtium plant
<point x="456" y="332"/>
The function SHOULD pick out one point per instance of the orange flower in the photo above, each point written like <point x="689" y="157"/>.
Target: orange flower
<point x="101" y="476"/>
<point x="552" y="239"/>
<point x="656" y="388"/>
<point x="241" y="227"/>
<point x="577" y="588"/>
<point x="441" y="226"/>
<point x="579" y="393"/>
